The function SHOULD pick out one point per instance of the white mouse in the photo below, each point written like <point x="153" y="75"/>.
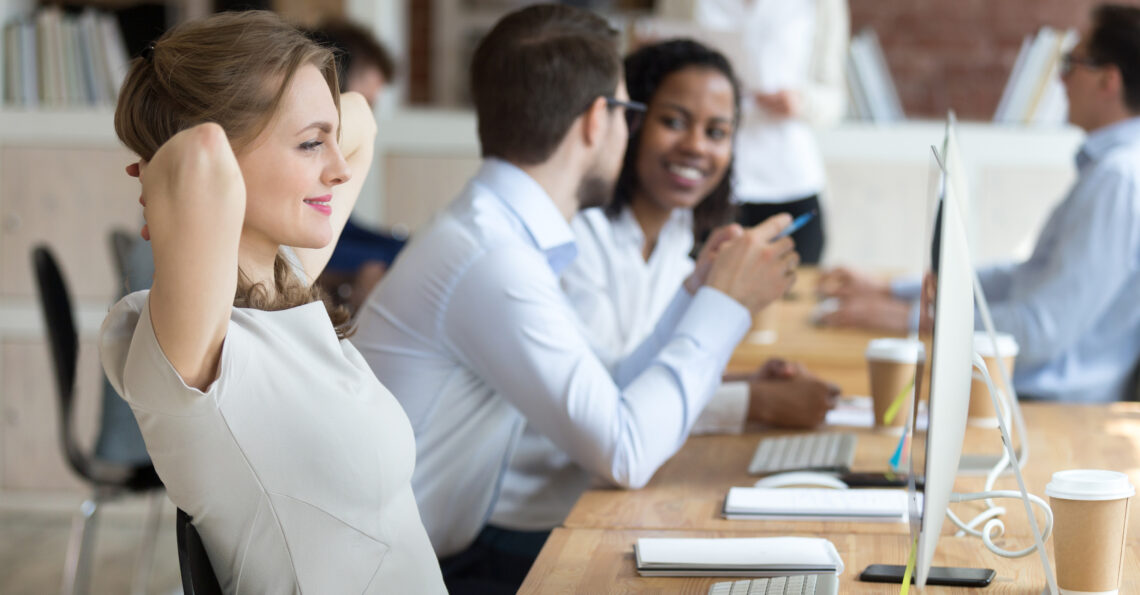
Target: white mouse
<point x="801" y="479"/>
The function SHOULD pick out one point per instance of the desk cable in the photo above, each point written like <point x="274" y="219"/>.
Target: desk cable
<point x="992" y="523"/>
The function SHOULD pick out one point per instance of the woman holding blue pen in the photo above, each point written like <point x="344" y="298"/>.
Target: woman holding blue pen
<point x="797" y="224"/>
<point x="675" y="188"/>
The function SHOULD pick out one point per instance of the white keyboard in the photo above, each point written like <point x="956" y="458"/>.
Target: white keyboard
<point x="800" y="584"/>
<point x="825" y="451"/>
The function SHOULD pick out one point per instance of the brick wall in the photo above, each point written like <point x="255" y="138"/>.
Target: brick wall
<point x="958" y="53"/>
<point x="942" y="53"/>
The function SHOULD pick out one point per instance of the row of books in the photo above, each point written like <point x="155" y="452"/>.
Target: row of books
<point x="55" y="59"/>
<point x="871" y="90"/>
<point x="1034" y="93"/>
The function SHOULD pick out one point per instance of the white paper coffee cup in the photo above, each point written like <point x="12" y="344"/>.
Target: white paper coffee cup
<point x="1090" y="525"/>
<point x="891" y="364"/>
<point x="982" y="412"/>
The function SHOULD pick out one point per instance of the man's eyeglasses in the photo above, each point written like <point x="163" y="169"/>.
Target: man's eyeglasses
<point x="634" y="110"/>
<point x="1069" y="61"/>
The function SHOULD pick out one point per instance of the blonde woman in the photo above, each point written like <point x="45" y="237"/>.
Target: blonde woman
<point x="266" y="427"/>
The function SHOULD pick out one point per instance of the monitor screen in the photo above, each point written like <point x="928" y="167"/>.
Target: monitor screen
<point x="936" y="185"/>
<point x="946" y="326"/>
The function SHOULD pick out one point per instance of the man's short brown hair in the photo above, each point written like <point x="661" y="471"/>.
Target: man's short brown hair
<point x="1115" y="39"/>
<point x="532" y="76"/>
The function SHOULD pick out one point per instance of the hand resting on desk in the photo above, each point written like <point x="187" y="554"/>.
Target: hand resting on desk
<point x="885" y="313"/>
<point x="784" y="394"/>
<point x="862" y="301"/>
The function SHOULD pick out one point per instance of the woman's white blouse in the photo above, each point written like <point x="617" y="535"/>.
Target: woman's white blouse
<point x="295" y="463"/>
<point x="619" y="296"/>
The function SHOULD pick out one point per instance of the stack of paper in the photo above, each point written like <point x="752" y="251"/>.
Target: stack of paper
<point x="858" y="412"/>
<point x="1034" y="93"/>
<point x="869" y="84"/>
<point x="814" y="504"/>
<point x="751" y="556"/>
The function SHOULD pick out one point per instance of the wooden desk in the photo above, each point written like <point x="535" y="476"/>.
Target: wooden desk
<point x="688" y="491"/>
<point x="836" y="354"/>
<point x="594" y="553"/>
<point x="601" y="561"/>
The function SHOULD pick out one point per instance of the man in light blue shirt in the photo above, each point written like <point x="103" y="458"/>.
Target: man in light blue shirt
<point x="470" y="328"/>
<point x="1074" y="305"/>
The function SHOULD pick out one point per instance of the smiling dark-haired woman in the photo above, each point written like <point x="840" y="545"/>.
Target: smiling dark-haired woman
<point x="675" y="186"/>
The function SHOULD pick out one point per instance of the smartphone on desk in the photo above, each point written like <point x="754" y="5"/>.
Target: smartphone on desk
<point x="875" y="480"/>
<point x="939" y="575"/>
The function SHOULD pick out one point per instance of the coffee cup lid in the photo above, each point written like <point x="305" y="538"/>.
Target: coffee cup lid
<point x="1006" y="344"/>
<point x="895" y="350"/>
<point x="1089" y="484"/>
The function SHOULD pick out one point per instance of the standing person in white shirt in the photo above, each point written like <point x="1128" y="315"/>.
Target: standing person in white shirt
<point x="676" y="183"/>
<point x="473" y="334"/>
<point x="793" y="74"/>
<point x="264" y="424"/>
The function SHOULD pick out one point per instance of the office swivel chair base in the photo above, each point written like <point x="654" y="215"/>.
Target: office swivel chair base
<point x="81" y="543"/>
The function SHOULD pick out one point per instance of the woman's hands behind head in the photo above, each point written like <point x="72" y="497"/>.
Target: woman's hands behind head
<point x="193" y="199"/>
<point x="195" y="173"/>
<point x="357" y="123"/>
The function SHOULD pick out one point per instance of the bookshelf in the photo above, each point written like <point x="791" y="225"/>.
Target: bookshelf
<point x="12" y="8"/>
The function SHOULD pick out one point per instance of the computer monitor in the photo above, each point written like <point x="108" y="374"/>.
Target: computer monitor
<point x="989" y="464"/>
<point x="947" y="308"/>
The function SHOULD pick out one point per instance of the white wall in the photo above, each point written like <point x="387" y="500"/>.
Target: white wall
<point x="877" y="188"/>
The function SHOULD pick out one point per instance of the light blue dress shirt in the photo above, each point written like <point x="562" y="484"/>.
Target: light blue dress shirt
<point x="473" y="334"/>
<point x="1074" y="305"/>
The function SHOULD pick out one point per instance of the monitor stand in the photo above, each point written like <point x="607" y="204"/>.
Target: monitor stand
<point x="1022" y="493"/>
<point x="994" y="465"/>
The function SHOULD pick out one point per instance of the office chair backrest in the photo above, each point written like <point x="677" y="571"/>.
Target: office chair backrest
<point x="55" y="303"/>
<point x="197" y="575"/>
<point x="121" y="243"/>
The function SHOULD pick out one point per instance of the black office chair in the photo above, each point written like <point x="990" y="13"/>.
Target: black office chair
<point x="108" y="479"/>
<point x="197" y="575"/>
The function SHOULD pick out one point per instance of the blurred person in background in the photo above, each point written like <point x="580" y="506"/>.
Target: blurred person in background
<point x="793" y="75"/>
<point x="1072" y="306"/>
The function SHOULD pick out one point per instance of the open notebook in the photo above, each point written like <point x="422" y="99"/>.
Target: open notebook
<point x="816" y="504"/>
<point x="736" y="556"/>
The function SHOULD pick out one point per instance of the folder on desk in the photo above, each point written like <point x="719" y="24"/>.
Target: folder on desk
<point x="816" y="504"/>
<point x="737" y="556"/>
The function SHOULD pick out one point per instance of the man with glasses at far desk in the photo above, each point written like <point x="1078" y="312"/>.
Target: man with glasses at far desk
<point x="471" y="330"/>
<point x="1074" y="306"/>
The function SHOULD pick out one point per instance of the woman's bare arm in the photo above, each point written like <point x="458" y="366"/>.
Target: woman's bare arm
<point x="194" y="203"/>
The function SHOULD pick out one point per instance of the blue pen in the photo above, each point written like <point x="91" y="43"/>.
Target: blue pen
<point x="797" y="223"/>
